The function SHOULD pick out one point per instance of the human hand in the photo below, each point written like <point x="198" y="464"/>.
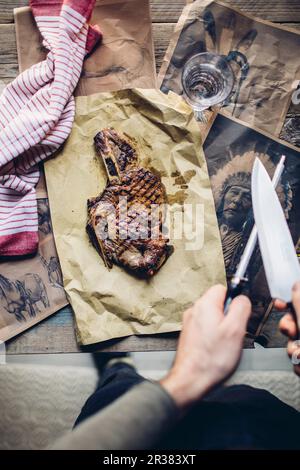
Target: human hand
<point x="290" y="328"/>
<point x="209" y="346"/>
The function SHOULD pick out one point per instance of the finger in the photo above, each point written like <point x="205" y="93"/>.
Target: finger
<point x="212" y="299"/>
<point x="215" y="295"/>
<point x="296" y="300"/>
<point x="297" y="370"/>
<point x="296" y="357"/>
<point x="238" y="314"/>
<point x="293" y="349"/>
<point x="288" y="326"/>
<point x="280" y="304"/>
<point x="211" y="305"/>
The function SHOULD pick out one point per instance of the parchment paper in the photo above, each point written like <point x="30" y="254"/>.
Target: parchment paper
<point x="263" y="92"/>
<point x="31" y="288"/>
<point x="111" y="304"/>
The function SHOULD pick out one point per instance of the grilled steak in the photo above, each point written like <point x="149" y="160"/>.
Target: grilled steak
<point x="121" y="224"/>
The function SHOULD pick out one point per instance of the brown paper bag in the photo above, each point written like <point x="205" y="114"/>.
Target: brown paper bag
<point x="264" y="57"/>
<point x="125" y="57"/>
<point x="112" y="304"/>
<point x="31" y="289"/>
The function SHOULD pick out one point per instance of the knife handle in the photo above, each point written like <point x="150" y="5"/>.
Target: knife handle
<point x="233" y="291"/>
<point x="294" y="314"/>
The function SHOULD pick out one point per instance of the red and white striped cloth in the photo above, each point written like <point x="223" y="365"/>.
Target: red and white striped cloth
<point x="36" y="115"/>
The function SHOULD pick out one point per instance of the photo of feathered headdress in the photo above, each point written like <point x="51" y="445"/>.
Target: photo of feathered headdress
<point x="237" y="172"/>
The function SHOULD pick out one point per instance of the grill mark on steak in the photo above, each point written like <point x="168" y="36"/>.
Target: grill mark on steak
<point x="142" y="189"/>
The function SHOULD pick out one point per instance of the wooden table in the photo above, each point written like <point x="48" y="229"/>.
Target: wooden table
<point x="56" y="334"/>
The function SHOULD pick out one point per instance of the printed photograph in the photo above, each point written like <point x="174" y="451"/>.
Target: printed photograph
<point x="31" y="288"/>
<point x="230" y="150"/>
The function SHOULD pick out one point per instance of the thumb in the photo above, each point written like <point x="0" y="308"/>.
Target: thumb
<point x="287" y="326"/>
<point x="238" y="314"/>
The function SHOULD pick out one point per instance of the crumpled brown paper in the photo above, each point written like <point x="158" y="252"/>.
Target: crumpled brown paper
<point x="112" y="304"/>
<point x="264" y="82"/>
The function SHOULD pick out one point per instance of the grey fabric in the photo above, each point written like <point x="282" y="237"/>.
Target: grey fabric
<point x="134" y="421"/>
<point x="39" y="404"/>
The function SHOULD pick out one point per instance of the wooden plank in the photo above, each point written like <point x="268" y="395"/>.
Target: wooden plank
<point x="56" y="335"/>
<point x="7" y="7"/>
<point x="8" y="52"/>
<point x="170" y="10"/>
<point x="166" y="11"/>
<point x="162" y="33"/>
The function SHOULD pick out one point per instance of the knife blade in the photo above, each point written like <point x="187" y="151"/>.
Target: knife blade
<point x="276" y="245"/>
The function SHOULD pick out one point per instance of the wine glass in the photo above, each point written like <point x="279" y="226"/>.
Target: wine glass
<point x="207" y="80"/>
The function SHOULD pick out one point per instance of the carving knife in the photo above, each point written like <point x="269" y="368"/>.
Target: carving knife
<point x="279" y="256"/>
<point x="238" y="280"/>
